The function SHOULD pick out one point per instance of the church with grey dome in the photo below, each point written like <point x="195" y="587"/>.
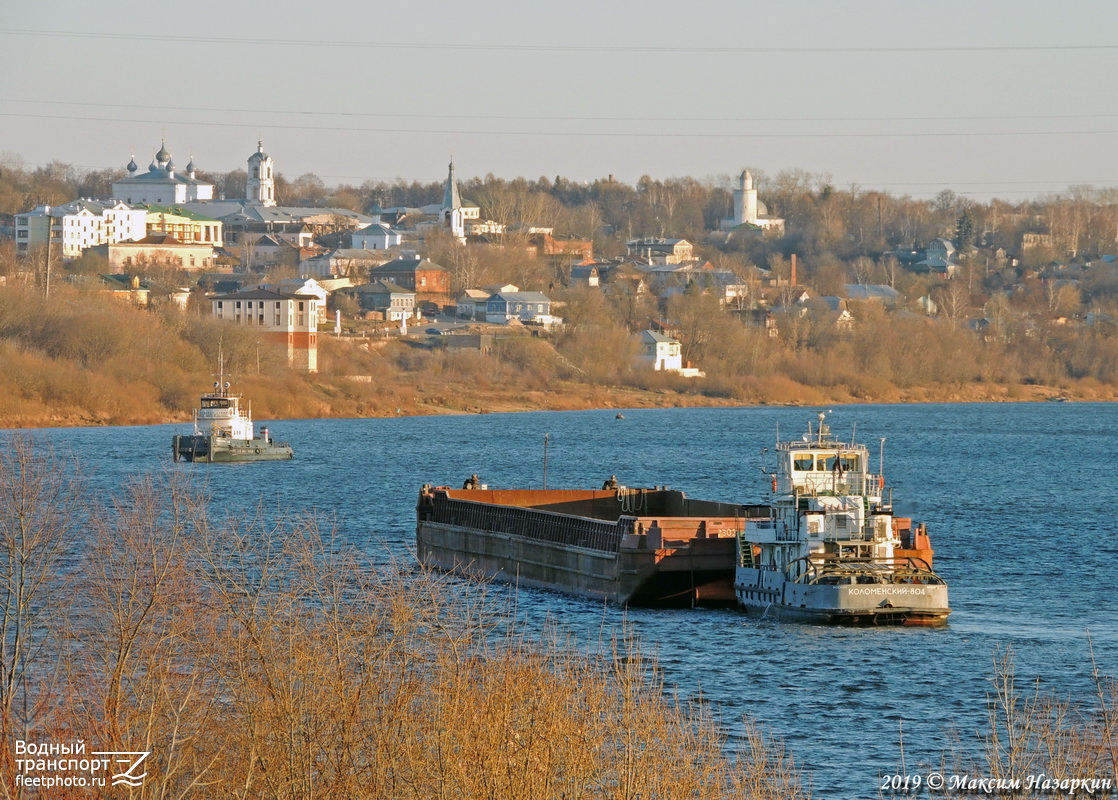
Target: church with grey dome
<point x="162" y="183"/>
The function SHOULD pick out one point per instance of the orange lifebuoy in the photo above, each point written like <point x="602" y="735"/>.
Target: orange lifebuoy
<point x="880" y="483"/>
<point x="774" y="483"/>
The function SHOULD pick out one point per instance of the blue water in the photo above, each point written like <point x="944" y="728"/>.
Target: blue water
<point x="1019" y="499"/>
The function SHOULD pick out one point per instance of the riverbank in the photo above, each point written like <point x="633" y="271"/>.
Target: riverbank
<point x="308" y="397"/>
<point x="89" y="361"/>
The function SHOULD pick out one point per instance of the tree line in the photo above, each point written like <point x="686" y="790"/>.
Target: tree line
<point x="822" y="218"/>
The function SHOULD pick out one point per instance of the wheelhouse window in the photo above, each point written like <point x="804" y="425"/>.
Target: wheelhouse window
<point x="804" y="463"/>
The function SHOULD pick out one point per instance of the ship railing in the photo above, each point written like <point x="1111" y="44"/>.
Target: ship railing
<point x="781" y="531"/>
<point x="847" y="536"/>
<point x="839" y="571"/>
<point x="833" y="484"/>
<point x="531" y="523"/>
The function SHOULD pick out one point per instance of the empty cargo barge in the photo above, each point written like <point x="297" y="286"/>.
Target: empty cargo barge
<point x="648" y="547"/>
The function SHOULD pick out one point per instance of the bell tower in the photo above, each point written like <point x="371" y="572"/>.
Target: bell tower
<point x="261" y="184"/>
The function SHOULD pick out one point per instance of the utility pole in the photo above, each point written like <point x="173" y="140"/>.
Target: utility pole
<point x="46" y="292"/>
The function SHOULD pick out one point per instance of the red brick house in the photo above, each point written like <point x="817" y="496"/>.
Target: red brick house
<point x="429" y="281"/>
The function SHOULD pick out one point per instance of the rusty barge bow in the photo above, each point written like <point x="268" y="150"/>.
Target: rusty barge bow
<point x="648" y="547"/>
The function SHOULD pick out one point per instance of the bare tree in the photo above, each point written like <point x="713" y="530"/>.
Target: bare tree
<point x="863" y="269"/>
<point x="40" y="495"/>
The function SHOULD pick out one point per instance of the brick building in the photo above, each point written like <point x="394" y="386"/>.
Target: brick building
<point x="287" y="320"/>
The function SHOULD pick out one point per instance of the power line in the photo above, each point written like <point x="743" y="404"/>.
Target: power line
<point x="607" y="134"/>
<point x="550" y="47"/>
<point x="527" y="118"/>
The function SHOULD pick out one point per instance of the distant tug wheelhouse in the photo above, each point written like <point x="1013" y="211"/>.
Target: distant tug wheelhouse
<point x="223" y="432"/>
<point x="830" y="549"/>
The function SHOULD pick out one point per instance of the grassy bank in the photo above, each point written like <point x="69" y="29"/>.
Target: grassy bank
<point x="80" y="359"/>
<point x="263" y="657"/>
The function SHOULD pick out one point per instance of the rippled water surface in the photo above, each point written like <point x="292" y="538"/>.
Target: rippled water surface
<point x="1019" y="500"/>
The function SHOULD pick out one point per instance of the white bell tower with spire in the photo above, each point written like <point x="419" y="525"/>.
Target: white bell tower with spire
<point x="452" y="214"/>
<point x="261" y="183"/>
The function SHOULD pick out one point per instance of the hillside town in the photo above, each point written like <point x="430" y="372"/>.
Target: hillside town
<point x="671" y="265"/>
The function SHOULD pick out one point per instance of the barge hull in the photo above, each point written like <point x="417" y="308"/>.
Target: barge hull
<point x="579" y="542"/>
<point x="623" y="577"/>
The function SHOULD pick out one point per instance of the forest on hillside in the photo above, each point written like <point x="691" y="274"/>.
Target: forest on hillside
<point x="844" y="222"/>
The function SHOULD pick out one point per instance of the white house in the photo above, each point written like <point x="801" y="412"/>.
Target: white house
<point x="162" y="184"/>
<point x="661" y="352"/>
<point x="377" y="236"/>
<point x="308" y="287"/>
<point x="80" y="224"/>
<point x="484" y="227"/>
<point x="664" y="354"/>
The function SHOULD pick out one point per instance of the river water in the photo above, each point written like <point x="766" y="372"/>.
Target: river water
<point x="1019" y="500"/>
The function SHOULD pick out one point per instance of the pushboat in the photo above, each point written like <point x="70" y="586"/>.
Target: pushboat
<point x="830" y="549"/>
<point x="224" y="432"/>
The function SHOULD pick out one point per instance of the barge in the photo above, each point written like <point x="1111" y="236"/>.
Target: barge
<point x="648" y="547"/>
<point x="825" y="548"/>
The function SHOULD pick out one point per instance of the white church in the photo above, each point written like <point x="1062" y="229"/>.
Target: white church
<point x="749" y="210"/>
<point x="162" y="184"/>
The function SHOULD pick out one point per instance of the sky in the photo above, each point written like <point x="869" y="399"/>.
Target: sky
<point x="992" y="98"/>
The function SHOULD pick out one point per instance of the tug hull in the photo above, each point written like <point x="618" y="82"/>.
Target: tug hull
<point x="221" y="449"/>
